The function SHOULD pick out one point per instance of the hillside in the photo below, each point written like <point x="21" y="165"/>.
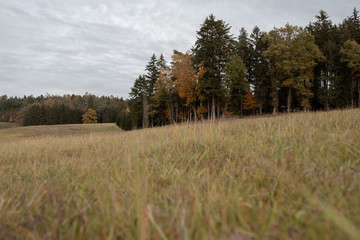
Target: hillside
<point x="294" y="176"/>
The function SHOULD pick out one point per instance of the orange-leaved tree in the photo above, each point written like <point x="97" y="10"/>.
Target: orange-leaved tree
<point x="249" y="102"/>
<point x="186" y="79"/>
<point x="90" y="116"/>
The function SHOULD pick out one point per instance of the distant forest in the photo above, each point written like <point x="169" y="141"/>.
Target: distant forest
<point x="67" y="109"/>
<point x="292" y="68"/>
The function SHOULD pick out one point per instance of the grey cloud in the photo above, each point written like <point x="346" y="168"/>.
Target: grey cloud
<point x="64" y="46"/>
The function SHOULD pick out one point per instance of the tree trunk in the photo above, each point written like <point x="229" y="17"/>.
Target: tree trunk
<point x="145" y="111"/>
<point x="260" y="108"/>
<point x="218" y="108"/>
<point x="241" y="105"/>
<point x="172" y="111"/>
<point x="359" y="92"/>
<point x="225" y="110"/>
<point x="202" y="115"/>
<point x="195" y="115"/>
<point x="208" y="109"/>
<point x="289" y="101"/>
<point x="183" y="115"/>
<point x="190" y="115"/>
<point x="327" y="95"/>
<point x="213" y="116"/>
<point x="275" y="110"/>
<point x="176" y="112"/>
<point x="353" y="86"/>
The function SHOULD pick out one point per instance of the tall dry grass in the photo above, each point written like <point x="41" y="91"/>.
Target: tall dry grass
<point x="290" y="177"/>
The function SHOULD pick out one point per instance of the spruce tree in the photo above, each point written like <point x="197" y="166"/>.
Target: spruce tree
<point x="260" y="67"/>
<point x="152" y="74"/>
<point x="235" y="80"/>
<point x="325" y="70"/>
<point x="214" y="46"/>
<point x="244" y="49"/>
<point x="137" y="105"/>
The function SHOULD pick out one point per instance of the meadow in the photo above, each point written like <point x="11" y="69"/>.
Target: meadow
<point x="295" y="176"/>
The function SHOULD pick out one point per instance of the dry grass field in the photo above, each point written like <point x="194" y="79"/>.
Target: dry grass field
<point x="294" y="176"/>
<point x="12" y="132"/>
<point x="8" y="125"/>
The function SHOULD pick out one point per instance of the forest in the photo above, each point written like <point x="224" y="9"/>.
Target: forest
<point x="67" y="109"/>
<point x="288" y="69"/>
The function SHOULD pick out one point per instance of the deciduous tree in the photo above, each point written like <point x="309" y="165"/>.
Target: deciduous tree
<point x="350" y="53"/>
<point x="90" y="116"/>
<point x="292" y="54"/>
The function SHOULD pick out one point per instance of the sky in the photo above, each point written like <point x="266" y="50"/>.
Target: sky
<point x="62" y="47"/>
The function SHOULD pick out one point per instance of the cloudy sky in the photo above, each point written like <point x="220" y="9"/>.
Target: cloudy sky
<point x="101" y="46"/>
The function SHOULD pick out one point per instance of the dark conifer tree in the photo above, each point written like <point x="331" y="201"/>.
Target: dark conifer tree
<point x="244" y="49"/>
<point x="214" y="46"/>
<point x="137" y="105"/>
<point x="325" y="74"/>
<point x="260" y="68"/>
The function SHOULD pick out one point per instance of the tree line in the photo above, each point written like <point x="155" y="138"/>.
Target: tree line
<point x="67" y="109"/>
<point x="292" y="68"/>
<point x="287" y="69"/>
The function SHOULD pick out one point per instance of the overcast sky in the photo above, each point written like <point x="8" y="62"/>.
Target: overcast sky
<point x="101" y="46"/>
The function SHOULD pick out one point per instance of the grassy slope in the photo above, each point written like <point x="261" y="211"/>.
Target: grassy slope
<point x="295" y="176"/>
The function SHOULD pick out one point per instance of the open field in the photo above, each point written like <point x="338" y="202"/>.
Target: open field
<point x="7" y="125"/>
<point x="289" y="177"/>
<point x="9" y="134"/>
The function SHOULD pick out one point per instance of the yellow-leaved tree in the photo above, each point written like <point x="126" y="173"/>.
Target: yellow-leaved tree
<point x="186" y="79"/>
<point x="90" y="116"/>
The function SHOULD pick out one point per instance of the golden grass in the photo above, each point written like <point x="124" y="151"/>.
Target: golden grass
<point x="15" y="133"/>
<point x="8" y="125"/>
<point x="289" y="177"/>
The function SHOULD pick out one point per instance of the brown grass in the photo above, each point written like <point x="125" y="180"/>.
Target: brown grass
<point x="288" y="177"/>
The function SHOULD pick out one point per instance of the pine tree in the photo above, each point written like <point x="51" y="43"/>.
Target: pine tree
<point x="161" y="63"/>
<point x="138" y="94"/>
<point x="325" y="71"/>
<point x="152" y="74"/>
<point x="244" y="49"/>
<point x="260" y="67"/>
<point x="214" y="46"/>
<point x="235" y="80"/>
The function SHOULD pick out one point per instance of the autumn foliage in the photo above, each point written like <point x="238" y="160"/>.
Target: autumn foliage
<point x="186" y="77"/>
<point x="249" y="102"/>
<point x="90" y="116"/>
